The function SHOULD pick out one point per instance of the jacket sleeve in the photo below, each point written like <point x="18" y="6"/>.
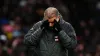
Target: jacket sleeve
<point x="31" y="40"/>
<point x="68" y="36"/>
<point x="32" y="37"/>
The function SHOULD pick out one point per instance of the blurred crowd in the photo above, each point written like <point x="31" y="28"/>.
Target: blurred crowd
<point x="18" y="16"/>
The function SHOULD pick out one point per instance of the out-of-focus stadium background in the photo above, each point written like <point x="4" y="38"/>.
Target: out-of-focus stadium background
<point x="18" y="16"/>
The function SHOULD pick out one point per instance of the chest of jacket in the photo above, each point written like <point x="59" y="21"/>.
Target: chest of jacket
<point x="49" y="47"/>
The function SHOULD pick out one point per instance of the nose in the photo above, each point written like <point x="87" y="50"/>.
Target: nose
<point x="50" y="20"/>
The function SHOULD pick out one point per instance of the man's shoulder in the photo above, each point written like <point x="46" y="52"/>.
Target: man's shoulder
<point x="67" y="23"/>
<point x="37" y="24"/>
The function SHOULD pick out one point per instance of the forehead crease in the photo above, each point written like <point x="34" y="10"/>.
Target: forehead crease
<point x="50" y="11"/>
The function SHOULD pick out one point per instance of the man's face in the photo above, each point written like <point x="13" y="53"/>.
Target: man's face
<point x="51" y="17"/>
<point x="51" y="20"/>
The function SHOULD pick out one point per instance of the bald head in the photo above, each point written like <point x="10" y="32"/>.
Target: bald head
<point x="51" y="12"/>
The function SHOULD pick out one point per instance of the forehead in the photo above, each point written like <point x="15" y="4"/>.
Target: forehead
<point x="51" y="12"/>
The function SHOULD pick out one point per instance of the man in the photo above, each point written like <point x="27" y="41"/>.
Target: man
<point x="50" y="37"/>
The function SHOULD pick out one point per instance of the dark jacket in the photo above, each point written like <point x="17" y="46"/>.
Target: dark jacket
<point x="42" y="43"/>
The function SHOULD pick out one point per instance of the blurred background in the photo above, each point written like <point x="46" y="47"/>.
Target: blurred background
<point x="18" y="16"/>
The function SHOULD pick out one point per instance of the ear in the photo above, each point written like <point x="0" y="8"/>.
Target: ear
<point x="58" y="17"/>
